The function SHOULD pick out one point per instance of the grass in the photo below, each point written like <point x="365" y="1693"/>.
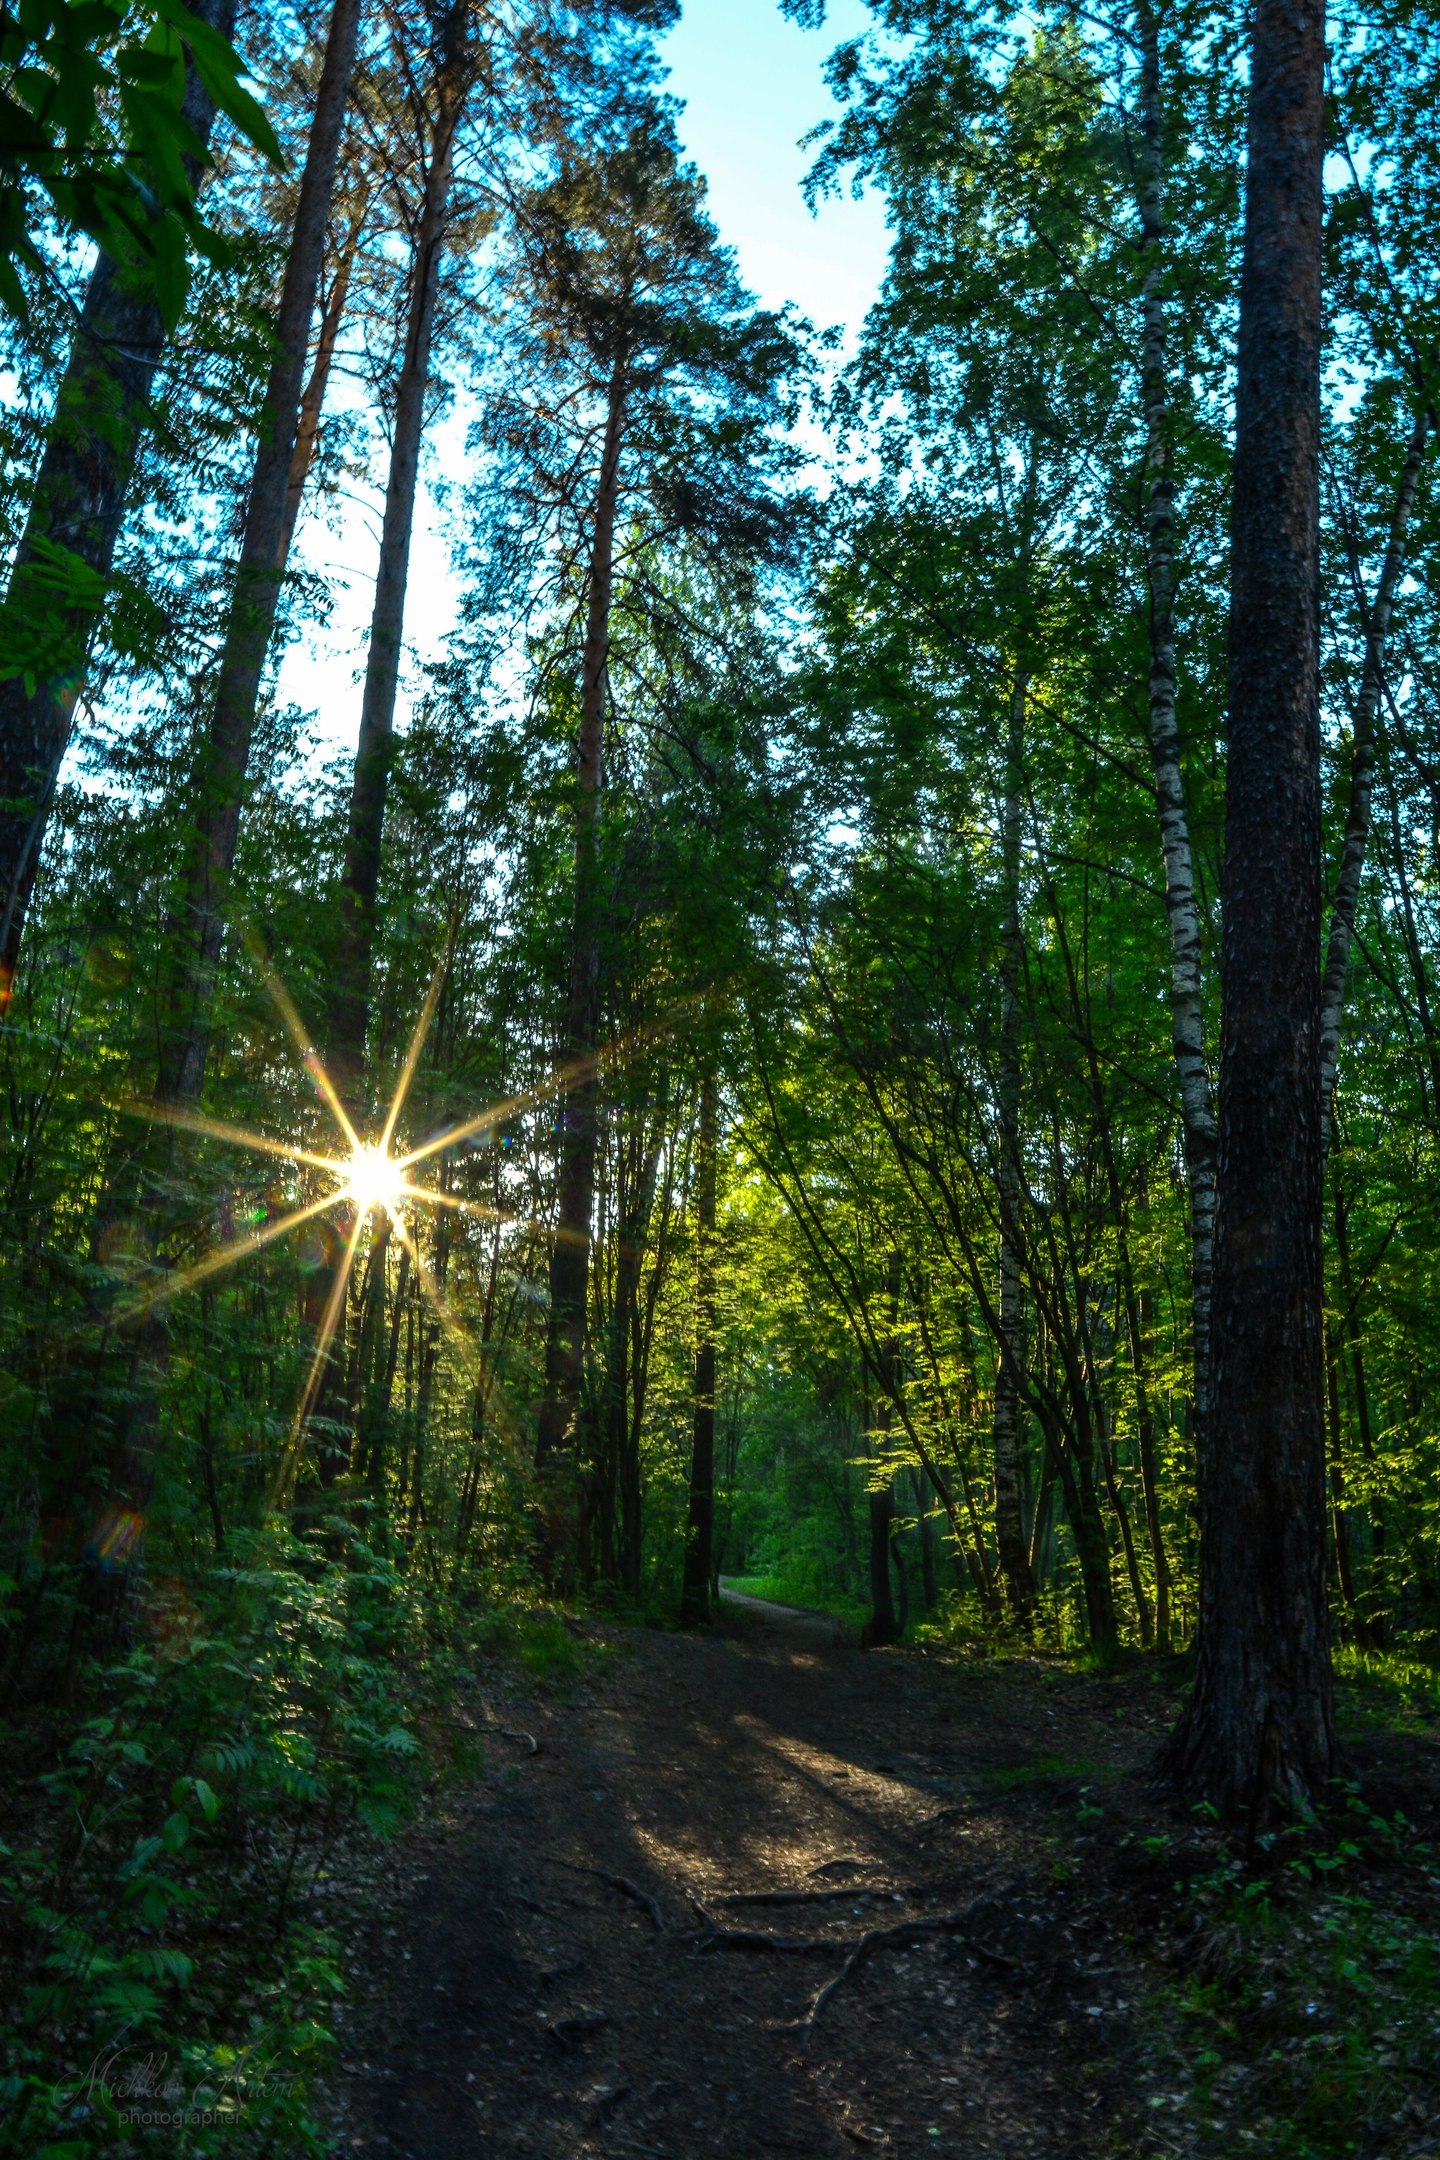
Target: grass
<point x="537" y="1637"/>
<point x="1386" y="1689"/>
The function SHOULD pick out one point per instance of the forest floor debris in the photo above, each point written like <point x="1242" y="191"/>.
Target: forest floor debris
<point x="1061" y="1998"/>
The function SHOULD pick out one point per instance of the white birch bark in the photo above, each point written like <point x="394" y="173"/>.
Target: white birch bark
<point x="1009" y="1528"/>
<point x="1187" y="1015"/>
<point x="1362" y="777"/>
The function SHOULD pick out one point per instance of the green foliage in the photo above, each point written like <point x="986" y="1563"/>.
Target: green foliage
<point x="1312" y="2014"/>
<point x="164" y="1892"/>
<point x="93" y="113"/>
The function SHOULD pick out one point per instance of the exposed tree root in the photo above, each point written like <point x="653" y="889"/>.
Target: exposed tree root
<point x="622" y="1883"/>
<point x="807" y="1897"/>
<point x="857" y="1949"/>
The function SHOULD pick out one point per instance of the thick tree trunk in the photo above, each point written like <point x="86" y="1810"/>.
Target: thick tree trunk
<point x="1260" y="1725"/>
<point x="1362" y="775"/>
<point x="570" y="1251"/>
<point x="77" y="507"/>
<point x="700" y="1531"/>
<point x="1009" y="1522"/>
<point x="1187" y="1016"/>
<point x="354" y="955"/>
<point x="312" y="402"/>
<point x="225" y="757"/>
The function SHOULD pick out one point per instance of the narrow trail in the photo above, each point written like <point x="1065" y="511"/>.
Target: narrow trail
<point x="559" y="1977"/>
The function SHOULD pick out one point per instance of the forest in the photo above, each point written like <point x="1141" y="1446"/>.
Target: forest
<point x="844" y="1059"/>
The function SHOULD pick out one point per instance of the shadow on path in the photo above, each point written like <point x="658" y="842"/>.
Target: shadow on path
<point x="522" y="2003"/>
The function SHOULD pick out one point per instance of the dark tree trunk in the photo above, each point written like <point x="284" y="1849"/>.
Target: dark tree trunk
<point x="570" y="1251"/>
<point x="883" y="1626"/>
<point x="700" y="1533"/>
<point x="225" y="756"/>
<point x="312" y="402"/>
<point x="79" y="500"/>
<point x="350" y="983"/>
<point x="1260" y="1725"/>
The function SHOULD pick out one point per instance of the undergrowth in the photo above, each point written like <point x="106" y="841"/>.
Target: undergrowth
<point x="1308" y="2017"/>
<point x="170" y="1834"/>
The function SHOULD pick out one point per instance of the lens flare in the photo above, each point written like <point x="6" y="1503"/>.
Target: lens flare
<point x="376" y="1181"/>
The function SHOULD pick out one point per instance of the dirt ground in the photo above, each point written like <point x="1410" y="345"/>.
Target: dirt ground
<point x="578" y="1964"/>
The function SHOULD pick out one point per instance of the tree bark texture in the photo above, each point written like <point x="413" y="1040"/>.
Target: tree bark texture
<point x="354" y="956"/>
<point x="570" y="1251"/>
<point x="1187" y="1013"/>
<point x="1260" y="1724"/>
<point x="225" y="757"/>
<point x="79" y="501"/>
<point x="700" y="1529"/>
<point x="1362" y="776"/>
<point x="312" y="402"/>
<point x="1009" y="1519"/>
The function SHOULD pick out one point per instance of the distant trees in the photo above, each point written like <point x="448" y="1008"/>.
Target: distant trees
<point x="644" y="418"/>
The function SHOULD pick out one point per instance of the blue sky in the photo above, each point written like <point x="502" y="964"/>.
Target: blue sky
<point x="752" y="84"/>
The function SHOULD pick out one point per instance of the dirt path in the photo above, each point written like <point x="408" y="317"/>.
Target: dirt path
<point x="549" y="1985"/>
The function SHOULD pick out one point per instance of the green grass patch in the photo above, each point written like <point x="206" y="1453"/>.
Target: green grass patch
<point x="537" y="1637"/>
<point x="1386" y="1688"/>
<point x="1051" y="1768"/>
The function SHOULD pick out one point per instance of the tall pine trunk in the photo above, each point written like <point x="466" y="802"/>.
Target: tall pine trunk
<point x="700" y="1528"/>
<point x="225" y="756"/>
<point x="1260" y="1724"/>
<point x="354" y="956"/>
<point x="79" y="501"/>
<point x="570" y="1249"/>
<point x="312" y="401"/>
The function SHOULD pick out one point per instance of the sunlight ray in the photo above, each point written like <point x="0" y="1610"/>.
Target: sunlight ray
<point x="417" y="1044"/>
<point x="334" y="1305"/>
<point x="581" y="1070"/>
<point x="309" y="1055"/>
<point x="161" y="1113"/>
<point x="488" y="1213"/>
<point x="472" y="1356"/>
<point x="225" y="1255"/>
<point x="479" y="1368"/>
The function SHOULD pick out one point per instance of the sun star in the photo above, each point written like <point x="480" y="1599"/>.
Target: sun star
<point x="376" y="1181"/>
<point x="367" y="1178"/>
